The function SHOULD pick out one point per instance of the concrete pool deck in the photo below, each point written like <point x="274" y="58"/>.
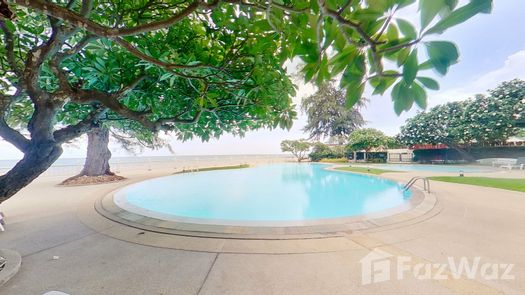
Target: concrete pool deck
<point x="46" y="222"/>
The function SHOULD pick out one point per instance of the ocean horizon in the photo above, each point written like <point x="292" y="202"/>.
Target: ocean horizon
<point x="77" y="163"/>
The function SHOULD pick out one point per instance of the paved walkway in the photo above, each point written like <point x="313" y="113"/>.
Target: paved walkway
<point x="62" y="253"/>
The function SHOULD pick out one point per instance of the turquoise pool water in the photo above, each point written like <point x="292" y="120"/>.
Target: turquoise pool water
<point x="277" y="192"/>
<point x="432" y="168"/>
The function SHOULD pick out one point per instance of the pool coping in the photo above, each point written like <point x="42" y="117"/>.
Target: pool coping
<point x="420" y="204"/>
<point x="12" y="266"/>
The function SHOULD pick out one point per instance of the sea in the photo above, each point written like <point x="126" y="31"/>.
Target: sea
<point x="71" y="166"/>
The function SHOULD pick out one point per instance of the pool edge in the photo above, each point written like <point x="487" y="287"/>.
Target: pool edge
<point x="421" y="204"/>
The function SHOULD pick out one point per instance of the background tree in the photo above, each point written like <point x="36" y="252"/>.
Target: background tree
<point x="367" y="139"/>
<point x="483" y="120"/>
<point x="232" y="79"/>
<point x="323" y="151"/>
<point x="328" y="115"/>
<point x="512" y="95"/>
<point x="298" y="148"/>
<point x="129" y="135"/>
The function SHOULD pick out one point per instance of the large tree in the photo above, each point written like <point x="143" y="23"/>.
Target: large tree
<point x="199" y="68"/>
<point x="328" y="115"/>
<point x="298" y="148"/>
<point x="219" y="79"/>
<point x="129" y="135"/>
<point x="477" y="121"/>
<point x="368" y="139"/>
<point x="512" y="94"/>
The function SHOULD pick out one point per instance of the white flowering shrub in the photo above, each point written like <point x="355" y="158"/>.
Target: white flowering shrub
<point x="479" y="120"/>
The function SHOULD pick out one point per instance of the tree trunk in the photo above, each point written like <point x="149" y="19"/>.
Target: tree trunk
<point x="36" y="160"/>
<point x="98" y="153"/>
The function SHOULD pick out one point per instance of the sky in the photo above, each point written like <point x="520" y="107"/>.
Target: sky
<point x="492" y="48"/>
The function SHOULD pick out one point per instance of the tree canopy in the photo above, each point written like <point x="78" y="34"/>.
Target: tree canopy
<point x="328" y="115"/>
<point x="367" y="139"/>
<point x="476" y="121"/>
<point x="62" y="80"/>
<point x="352" y="38"/>
<point x="298" y="148"/>
<point x="323" y="151"/>
<point x="201" y="68"/>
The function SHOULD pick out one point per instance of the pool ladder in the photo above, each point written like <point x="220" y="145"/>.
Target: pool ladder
<point x="426" y="183"/>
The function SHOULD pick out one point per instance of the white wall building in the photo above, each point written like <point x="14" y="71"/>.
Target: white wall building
<point x="399" y="156"/>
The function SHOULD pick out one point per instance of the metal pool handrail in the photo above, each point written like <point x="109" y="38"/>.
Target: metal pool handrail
<point x="412" y="181"/>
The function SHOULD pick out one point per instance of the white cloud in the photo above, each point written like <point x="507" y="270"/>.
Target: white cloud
<point x="513" y="67"/>
<point x="380" y="112"/>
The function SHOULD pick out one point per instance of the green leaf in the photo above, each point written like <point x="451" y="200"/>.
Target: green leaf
<point x="401" y="95"/>
<point x="410" y="68"/>
<point x="427" y="65"/>
<point x="420" y="96"/>
<point x="442" y="55"/>
<point x="323" y="73"/>
<point x="451" y="4"/>
<point x="429" y="9"/>
<point x="461" y="15"/>
<point x="392" y="33"/>
<point x="354" y="94"/>
<point x="340" y="42"/>
<point x="402" y="56"/>
<point x="373" y="66"/>
<point x="381" y="84"/>
<point x="403" y="3"/>
<point x="429" y="83"/>
<point x="165" y="76"/>
<point x="358" y="63"/>
<point x="332" y="31"/>
<point x="354" y="72"/>
<point x="309" y="71"/>
<point x="379" y="5"/>
<point x="9" y="25"/>
<point x="314" y="6"/>
<point x="407" y="29"/>
<point x="340" y="61"/>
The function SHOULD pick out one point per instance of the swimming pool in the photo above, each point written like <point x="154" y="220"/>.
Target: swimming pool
<point x="276" y="192"/>
<point x="432" y="168"/>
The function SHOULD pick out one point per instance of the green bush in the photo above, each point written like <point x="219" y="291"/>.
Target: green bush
<point x="322" y="151"/>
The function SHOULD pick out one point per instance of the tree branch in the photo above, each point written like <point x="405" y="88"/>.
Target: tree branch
<point x="13" y="136"/>
<point x="7" y="132"/>
<point x="288" y="8"/>
<point x="168" y="66"/>
<point x="79" y="20"/>
<point x="73" y="131"/>
<point x="400" y="46"/>
<point x="37" y="56"/>
<point x="344" y="7"/>
<point x="347" y="23"/>
<point x="76" y="49"/>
